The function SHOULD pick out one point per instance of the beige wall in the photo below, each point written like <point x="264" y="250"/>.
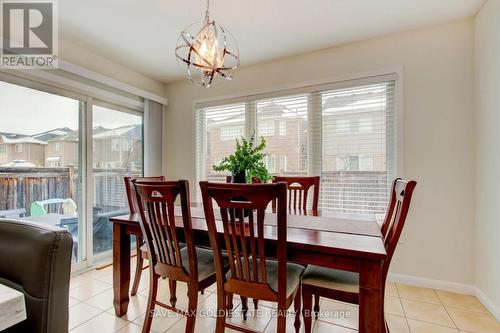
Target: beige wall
<point x="488" y="152"/>
<point x="438" y="136"/>
<point x="76" y="55"/>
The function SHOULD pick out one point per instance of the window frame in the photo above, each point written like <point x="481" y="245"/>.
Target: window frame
<point x="88" y="98"/>
<point x="312" y="87"/>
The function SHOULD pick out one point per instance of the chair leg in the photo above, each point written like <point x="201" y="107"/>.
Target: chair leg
<point x="316" y="306"/>
<point x="172" y="284"/>
<point x="222" y="310"/>
<point x="229" y="304"/>
<point x="138" y="266"/>
<point x="191" y="314"/>
<point x="255" y="303"/>
<point x="281" y="325"/>
<point x="244" y="307"/>
<point x="153" y="290"/>
<point x="307" y="308"/>
<point x="297" y="304"/>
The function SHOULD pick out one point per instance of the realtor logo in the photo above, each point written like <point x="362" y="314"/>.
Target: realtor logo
<point x="29" y="33"/>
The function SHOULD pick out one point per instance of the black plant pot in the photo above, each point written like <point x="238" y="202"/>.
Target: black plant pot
<point x="239" y="177"/>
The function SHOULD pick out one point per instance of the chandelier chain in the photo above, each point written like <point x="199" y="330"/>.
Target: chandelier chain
<point x="207" y="11"/>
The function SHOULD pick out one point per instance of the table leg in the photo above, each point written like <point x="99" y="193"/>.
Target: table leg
<point x="121" y="269"/>
<point x="371" y="299"/>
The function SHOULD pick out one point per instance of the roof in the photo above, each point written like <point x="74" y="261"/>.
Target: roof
<point x="55" y="134"/>
<point x="132" y="131"/>
<point x="19" y="164"/>
<point x="23" y="139"/>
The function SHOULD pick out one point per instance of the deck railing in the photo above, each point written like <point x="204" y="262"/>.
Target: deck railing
<point x="358" y="192"/>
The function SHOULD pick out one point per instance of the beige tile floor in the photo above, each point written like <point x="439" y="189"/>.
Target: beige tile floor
<point x="409" y="309"/>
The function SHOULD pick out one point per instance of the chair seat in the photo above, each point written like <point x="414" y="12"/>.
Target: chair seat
<point x="333" y="279"/>
<point x="144" y="247"/>
<point x="293" y="275"/>
<point x="205" y="258"/>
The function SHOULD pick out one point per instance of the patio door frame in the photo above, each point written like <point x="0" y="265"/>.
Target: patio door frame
<point x="36" y="82"/>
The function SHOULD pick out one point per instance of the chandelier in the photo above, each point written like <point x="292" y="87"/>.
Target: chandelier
<point x="206" y="50"/>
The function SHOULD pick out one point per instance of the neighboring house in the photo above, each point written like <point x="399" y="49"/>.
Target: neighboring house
<point x="351" y="137"/>
<point x="62" y="151"/>
<point x="118" y="148"/>
<point x="15" y="147"/>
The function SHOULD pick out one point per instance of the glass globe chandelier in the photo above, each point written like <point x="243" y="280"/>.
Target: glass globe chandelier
<point x="207" y="50"/>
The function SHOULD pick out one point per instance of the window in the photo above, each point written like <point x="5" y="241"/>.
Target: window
<point x="282" y="165"/>
<point x="345" y="134"/>
<point x="3" y="149"/>
<point x="289" y="113"/>
<point x="357" y="167"/>
<point x="128" y="145"/>
<point x="282" y="127"/>
<point x="365" y="125"/>
<point x="115" y="144"/>
<point x="231" y="132"/>
<point x="270" y="162"/>
<point x="365" y="163"/>
<point x="342" y="126"/>
<point x="123" y="132"/>
<point x="348" y="163"/>
<point x="265" y="128"/>
<point x="221" y="126"/>
<point x="34" y="118"/>
<point x="57" y="147"/>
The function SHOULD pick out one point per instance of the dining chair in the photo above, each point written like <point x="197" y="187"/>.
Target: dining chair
<point x="140" y="246"/>
<point x="343" y="285"/>
<point x="298" y="189"/>
<point x="189" y="264"/>
<point x="251" y="273"/>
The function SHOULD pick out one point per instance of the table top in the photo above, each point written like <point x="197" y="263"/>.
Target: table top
<point x="12" y="307"/>
<point x="326" y="234"/>
<point x="49" y="218"/>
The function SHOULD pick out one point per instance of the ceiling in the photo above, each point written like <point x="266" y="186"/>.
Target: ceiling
<point x="142" y="34"/>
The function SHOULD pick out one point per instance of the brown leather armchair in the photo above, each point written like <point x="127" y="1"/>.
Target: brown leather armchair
<point x="36" y="260"/>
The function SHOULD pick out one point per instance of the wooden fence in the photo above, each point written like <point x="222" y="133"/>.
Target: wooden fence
<point x="20" y="187"/>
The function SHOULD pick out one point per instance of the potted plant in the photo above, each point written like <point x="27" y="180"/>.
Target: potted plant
<point x="246" y="164"/>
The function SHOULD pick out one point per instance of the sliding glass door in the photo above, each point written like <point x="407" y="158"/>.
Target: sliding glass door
<point x="116" y="153"/>
<point x="62" y="161"/>
<point x="41" y="160"/>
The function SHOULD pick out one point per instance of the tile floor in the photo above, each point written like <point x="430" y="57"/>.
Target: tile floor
<point x="409" y="309"/>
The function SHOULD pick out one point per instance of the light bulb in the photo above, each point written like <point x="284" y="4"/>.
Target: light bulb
<point x="207" y="47"/>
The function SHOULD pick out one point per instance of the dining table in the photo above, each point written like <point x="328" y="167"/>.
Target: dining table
<point x="323" y="238"/>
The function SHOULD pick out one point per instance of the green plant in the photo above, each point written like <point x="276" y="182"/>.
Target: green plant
<point x="249" y="157"/>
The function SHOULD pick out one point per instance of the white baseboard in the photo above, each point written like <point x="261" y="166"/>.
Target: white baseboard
<point x="488" y="303"/>
<point x="433" y="284"/>
<point x="447" y="286"/>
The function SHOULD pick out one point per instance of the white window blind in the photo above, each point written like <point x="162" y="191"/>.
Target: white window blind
<point x="343" y="132"/>
<point x="356" y="163"/>
<point x="218" y="127"/>
<point x="288" y="118"/>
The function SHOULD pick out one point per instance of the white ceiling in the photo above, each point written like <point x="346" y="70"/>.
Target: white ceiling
<point x="142" y="34"/>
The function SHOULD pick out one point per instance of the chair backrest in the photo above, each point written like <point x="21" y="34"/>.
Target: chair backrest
<point x="69" y="207"/>
<point x="242" y="208"/>
<point x="395" y="218"/>
<point x="129" y="189"/>
<point x="156" y="206"/>
<point x="298" y="189"/>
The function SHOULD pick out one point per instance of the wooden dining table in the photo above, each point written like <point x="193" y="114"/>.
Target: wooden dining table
<point x="322" y="238"/>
